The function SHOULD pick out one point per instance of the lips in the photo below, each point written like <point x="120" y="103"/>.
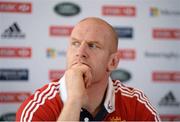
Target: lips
<point x="78" y="62"/>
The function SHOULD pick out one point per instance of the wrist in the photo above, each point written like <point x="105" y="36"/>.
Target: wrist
<point x="75" y="102"/>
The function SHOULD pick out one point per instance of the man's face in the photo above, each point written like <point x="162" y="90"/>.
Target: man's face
<point x="89" y="45"/>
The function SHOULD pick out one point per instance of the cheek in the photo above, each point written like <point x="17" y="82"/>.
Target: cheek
<point x="101" y="63"/>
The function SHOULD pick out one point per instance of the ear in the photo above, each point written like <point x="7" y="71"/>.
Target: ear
<point x="113" y="61"/>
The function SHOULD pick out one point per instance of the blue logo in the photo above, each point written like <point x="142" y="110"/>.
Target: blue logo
<point x="14" y="74"/>
<point x="8" y="117"/>
<point x="124" y="32"/>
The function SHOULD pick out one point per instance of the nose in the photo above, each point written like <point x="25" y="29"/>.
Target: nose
<point x="82" y="51"/>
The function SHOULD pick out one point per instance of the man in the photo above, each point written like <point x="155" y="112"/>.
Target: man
<point x="86" y="92"/>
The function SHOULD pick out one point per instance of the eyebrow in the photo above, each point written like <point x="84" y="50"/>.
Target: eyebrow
<point x="88" y="41"/>
<point x="74" y="39"/>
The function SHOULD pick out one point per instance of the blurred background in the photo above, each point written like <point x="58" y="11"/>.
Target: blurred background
<point x="34" y="36"/>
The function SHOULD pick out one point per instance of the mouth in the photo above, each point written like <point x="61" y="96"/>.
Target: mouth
<point x="83" y="63"/>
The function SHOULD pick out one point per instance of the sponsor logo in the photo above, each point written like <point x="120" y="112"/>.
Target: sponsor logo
<point x="169" y="100"/>
<point x="164" y="33"/>
<point x="13" y="97"/>
<point x="124" y="32"/>
<point x="54" y="53"/>
<point x="55" y="74"/>
<point x="127" y="54"/>
<point x="166" y="55"/>
<point x="15" y="52"/>
<point x="121" y="75"/>
<point x="8" y="117"/>
<point x="67" y="9"/>
<point x="16" y="7"/>
<point x="129" y="11"/>
<point x="13" y="31"/>
<point x="116" y="119"/>
<point x="60" y="30"/>
<point x="166" y="76"/>
<point x="14" y="74"/>
<point x="156" y="12"/>
<point x="110" y="107"/>
<point x="170" y="117"/>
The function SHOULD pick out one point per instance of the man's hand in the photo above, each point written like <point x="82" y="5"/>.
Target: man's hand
<point x="78" y="78"/>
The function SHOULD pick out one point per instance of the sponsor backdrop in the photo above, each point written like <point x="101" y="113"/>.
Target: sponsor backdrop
<point x="34" y="36"/>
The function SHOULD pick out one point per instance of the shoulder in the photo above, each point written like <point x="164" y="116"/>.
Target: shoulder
<point x="43" y="103"/>
<point x="136" y="99"/>
<point x="129" y="92"/>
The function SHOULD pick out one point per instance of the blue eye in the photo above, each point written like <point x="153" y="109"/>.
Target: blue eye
<point x="92" y="45"/>
<point x="76" y="44"/>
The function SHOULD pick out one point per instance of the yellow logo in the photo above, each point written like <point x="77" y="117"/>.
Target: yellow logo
<point x="116" y="119"/>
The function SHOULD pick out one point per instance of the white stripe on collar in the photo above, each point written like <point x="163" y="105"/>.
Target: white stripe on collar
<point x="63" y="91"/>
<point x="109" y="102"/>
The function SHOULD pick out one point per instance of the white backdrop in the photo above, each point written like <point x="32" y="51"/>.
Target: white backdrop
<point x="34" y="39"/>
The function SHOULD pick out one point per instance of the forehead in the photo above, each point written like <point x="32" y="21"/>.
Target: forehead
<point x="91" y="30"/>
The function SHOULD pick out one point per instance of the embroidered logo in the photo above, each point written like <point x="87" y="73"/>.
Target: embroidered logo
<point x="116" y="119"/>
<point x="110" y="106"/>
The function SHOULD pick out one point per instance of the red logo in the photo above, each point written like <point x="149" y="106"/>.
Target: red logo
<point x="16" y="7"/>
<point x="119" y="10"/>
<point x="60" y="30"/>
<point x="11" y="52"/>
<point x="55" y="74"/>
<point x="164" y="76"/>
<point x="166" y="33"/>
<point x="12" y="97"/>
<point x="170" y="118"/>
<point x="127" y="54"/>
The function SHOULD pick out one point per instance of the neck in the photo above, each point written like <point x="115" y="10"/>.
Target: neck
<point x="96" y="94"/>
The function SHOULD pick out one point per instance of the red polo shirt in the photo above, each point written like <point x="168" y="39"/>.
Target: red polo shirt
<point x="121" y="103"/>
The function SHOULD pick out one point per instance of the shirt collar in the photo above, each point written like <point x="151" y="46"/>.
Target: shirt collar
<point x="109" y="102"/>
<point x="63" y="91"/>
